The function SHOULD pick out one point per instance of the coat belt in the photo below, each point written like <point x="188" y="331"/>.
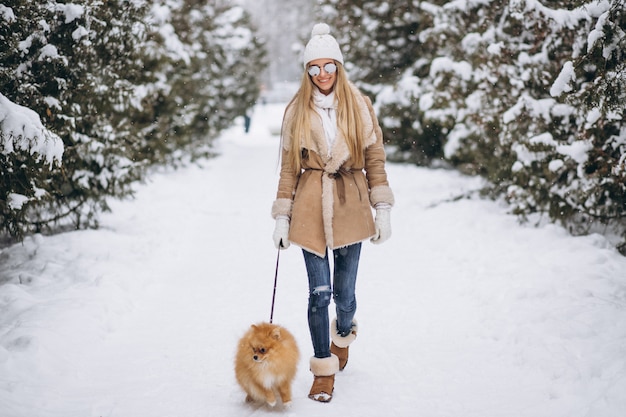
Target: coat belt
<point x="338" y="177"/>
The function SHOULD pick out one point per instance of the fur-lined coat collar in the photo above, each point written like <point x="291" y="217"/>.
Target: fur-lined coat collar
<point x="334" y="158"/>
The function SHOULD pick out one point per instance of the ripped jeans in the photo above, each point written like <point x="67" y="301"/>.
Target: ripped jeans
<point x="346" y="263"/>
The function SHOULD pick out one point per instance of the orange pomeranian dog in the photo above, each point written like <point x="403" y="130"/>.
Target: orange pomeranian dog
<point x="266" y="363"/>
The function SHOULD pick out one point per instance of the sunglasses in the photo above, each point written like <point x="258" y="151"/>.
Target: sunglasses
<point x="315" y="70"/>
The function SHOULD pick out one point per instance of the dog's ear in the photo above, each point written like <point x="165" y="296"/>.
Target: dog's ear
<point x="276" y="333"/>
<point x="253" y="327"/>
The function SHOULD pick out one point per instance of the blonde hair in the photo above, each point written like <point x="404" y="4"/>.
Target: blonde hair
<point x="349" y="121"/>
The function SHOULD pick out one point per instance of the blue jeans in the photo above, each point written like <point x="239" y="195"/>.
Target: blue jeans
<point x="346" y="263"/>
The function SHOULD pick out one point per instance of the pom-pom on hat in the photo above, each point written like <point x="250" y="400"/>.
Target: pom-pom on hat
<point x="322" y="45"/>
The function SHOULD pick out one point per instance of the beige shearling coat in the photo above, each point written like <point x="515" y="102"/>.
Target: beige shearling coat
<point x="330" y="202"/>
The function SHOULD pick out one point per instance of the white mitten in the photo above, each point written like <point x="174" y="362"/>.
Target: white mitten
<point x="281" y="232"/>
<point x="383" y="226"/>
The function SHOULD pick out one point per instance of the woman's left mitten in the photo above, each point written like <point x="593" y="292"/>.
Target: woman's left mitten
<point x="383" y="226"/>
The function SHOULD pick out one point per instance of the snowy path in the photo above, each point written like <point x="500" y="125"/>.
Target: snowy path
<point x="462" y="313"/>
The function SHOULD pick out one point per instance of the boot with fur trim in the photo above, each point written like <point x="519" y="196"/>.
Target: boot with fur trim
<point x="340" y="344"/>
<point x="324" y="370"/>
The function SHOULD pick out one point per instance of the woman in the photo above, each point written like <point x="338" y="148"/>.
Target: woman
<point x="332" y="174"/>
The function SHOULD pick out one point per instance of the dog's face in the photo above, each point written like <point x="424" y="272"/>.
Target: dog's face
<point x="263" y="342"/>
<point x="259" y="353"/>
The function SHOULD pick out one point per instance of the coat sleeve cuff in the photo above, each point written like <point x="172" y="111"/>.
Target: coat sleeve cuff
<point x="381" y="194"/>
<point x="282" y="207"/>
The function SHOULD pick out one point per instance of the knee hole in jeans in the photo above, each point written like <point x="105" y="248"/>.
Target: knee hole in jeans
<point x="319" y="297"/>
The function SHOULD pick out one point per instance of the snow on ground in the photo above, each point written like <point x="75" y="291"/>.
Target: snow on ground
<point x="462" y="313"/>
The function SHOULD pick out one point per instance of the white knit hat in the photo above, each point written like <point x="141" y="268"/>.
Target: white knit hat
<point x="322" y="45"/>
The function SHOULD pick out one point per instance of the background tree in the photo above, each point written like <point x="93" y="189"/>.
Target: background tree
<point x="73" y="66"/>
<point x="209" y="55"/>
<point x="125" y="85"/>
<point x="592" y="83"/>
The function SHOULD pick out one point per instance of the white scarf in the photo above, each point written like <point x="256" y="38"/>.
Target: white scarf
<point x="325" y="106"/>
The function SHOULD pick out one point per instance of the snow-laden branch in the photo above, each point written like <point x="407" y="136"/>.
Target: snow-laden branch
<point x="562" y="84"/>
<point x="21" y="129"/>
<point x="560" y="18"/>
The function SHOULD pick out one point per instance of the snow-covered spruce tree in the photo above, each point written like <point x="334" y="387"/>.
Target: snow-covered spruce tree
<point x="24" y="169"/>
<point x="240" y="55"/>
<point x="495" y="67"/>
<point x="495" y="72"/>
<point x="207" y="57"/>
<point x="538" y="149"/>
<point x="385" y="55"/>
<point x="28" y="151"/>
<point x="125" y="85"/>
<point x="379" y="39"/>
<point x="559" y="158"/>
<point x="72" y="64"/>
<point x="592" y="84"/>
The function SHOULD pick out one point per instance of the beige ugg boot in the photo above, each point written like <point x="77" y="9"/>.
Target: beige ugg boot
<point x="324" y="370"/>
<point x="340" y="344"/>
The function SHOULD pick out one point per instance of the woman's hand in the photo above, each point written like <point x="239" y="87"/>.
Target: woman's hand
<point x="383" y="225"/>
<point x="281" y="232"/>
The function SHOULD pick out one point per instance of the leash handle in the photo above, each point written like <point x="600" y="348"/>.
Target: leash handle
<point x="275" y="281"/>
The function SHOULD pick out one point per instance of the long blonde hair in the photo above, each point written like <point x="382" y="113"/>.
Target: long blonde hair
<point x="349" y="121"/>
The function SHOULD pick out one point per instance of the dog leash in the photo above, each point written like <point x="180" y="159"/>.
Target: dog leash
<point x="275" y="281"/>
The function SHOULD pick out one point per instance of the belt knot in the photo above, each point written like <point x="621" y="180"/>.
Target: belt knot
<point x="341" y="187"/>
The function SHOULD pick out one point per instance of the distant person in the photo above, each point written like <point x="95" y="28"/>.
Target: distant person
<point x="246" y="120"/>
<point x="332" y="175"/>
